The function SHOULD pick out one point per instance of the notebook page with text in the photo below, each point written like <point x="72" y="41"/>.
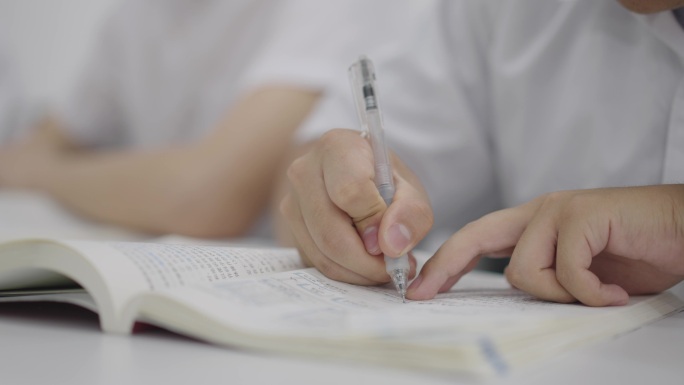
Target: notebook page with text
<point x="302" y="311"/>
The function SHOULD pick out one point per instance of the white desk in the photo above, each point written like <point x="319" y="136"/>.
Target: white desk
<point x="24" y="215"/>
<point x="61" y="344"/>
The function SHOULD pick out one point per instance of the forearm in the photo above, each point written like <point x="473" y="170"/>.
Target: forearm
<point x="214" y="188"/>
<point x="136" y="190"/>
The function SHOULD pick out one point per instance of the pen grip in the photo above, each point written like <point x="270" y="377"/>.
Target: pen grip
<point x="401" y="263"/>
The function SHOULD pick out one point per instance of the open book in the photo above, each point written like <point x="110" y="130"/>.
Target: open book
<point x="264" y="299"/>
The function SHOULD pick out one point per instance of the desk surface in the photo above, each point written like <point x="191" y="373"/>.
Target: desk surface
<point x="62" y="344"/>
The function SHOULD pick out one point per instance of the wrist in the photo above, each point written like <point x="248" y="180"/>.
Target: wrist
<point x="40" y="172"/>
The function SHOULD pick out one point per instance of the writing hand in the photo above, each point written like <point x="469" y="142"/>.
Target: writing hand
<point x="593" y="246"/>
<point x="339" y="220"/>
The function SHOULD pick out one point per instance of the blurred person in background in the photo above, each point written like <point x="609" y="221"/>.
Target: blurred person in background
<point x="566" y="115"/>
<point x="180" y="120"/>
<point x="16" y="112"/>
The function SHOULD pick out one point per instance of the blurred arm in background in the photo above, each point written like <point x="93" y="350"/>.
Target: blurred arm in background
<point x="182" y="119"/>
<point x="16" y="113"/>
<point x="170" y="128"/>
<point x="215" y="187"/>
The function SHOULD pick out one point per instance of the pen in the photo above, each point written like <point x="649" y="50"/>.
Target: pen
<point x="362" y="78"/>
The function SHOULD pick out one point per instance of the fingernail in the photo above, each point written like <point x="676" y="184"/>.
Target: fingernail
<point x="370" y="240"/>
<point x="398" y="238"/>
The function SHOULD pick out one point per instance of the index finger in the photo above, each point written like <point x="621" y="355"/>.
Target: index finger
<point x="492" y="233"/>
<point x="348" y="172"/>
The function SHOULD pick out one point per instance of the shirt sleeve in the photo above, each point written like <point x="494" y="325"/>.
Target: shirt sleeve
<point x="17" y="113"/>
<point x="92" y="114"/>
<point x="433" y="92"/>
<point x="313" y="42"/>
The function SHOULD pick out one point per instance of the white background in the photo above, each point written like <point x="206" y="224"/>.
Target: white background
<point x="49" y="40"/>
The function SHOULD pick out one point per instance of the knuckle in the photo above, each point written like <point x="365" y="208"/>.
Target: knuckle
<point x="330" y="139"/>
<point x="578" y="203"/>
<point x="553" y="198"/>
<point x="568" y="204"/>
<point x="348" y="193"/>
<point x="568" y="199"/>
<point x="515" y="276"/>
<point x="351" y="196"/>
<point x="297" y="171"/>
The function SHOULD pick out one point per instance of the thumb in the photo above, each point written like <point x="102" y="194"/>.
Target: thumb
<point x="409" y="218"/>
<point x="348" y="173"/>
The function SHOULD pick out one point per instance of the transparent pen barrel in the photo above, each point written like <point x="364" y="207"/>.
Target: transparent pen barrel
<point x="383" y="169"/>
<point x="401" y="263"/>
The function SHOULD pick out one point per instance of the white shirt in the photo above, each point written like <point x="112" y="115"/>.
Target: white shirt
<point x="495" y="103"/>
<point x="165" y="71"/>
<point x="15" y="112"/>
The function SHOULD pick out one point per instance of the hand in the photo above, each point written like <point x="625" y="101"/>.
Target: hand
<point x="25" y="163"/>
<point x="339" y="222"/>
<point x="593" y="246"/>
<point x="22" y="163"/>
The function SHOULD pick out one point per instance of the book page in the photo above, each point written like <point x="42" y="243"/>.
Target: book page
<point x="74" y="296"/>
<point x="480" y="325"/>
<point x="306" y="303"/>
<point x="107" y="277"/>
<point x="167" y="265"/>
<point x="114" y="272"/>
